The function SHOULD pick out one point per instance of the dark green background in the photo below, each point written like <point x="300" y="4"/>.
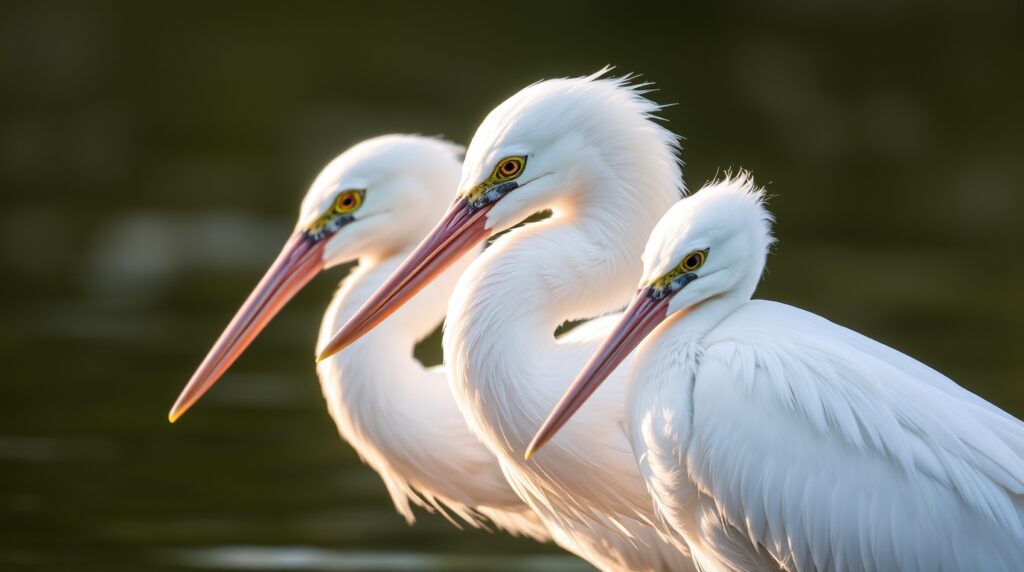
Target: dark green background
<point x="152" y="156"/>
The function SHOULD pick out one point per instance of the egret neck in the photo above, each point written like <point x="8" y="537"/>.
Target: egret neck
<point x="581" y="263"/>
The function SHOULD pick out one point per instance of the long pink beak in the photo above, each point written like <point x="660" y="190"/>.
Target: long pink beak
<point x="459" y="231"/>
<point x="641" y="317"/>
<point x="300" y="260"/>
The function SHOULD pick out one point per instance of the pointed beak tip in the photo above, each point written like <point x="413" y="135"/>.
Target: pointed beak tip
<point x="341" y="340"/>
<point x="299" y="261"/>
<point x="326" y="353"/>
<point x="535" y="445"/>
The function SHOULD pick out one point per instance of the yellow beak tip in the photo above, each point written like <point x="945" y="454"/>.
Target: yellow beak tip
<point x="174" y="416"/>
<point x="326" y="353"/>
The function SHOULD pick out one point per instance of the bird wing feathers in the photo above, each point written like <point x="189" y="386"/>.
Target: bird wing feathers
<point x="836" y="452"/>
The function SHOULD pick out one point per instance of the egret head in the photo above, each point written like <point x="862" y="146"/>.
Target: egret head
<point x="376" y="199"/>
<point x="547" y="147"/>
<point x="379" y="197"/>
<point x="557" y="139"/>
<point x="710" y="245"/>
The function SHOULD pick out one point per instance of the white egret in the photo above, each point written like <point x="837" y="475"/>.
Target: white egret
<point x="589" y="150"/>
<point x="772" y="437"/>
<point x="372" y="204"/>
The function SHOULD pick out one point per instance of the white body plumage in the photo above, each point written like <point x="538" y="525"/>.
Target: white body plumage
<point x="401" y="417"/>
<point x="398" y="415"/>
<point x="373" y="204"/>
<point x="765" y="425"/>
<point x="607" y="171"/>
<point x="589" y="150"/>
<point x="772" y="438"/>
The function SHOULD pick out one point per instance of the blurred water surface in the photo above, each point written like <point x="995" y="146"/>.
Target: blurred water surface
<point x="152" y="157"/>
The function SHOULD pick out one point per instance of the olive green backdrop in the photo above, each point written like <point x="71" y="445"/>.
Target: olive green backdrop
<point x="152" y="156"/>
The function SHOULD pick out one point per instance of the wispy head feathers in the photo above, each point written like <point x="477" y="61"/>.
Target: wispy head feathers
<point x="727" y="216"/>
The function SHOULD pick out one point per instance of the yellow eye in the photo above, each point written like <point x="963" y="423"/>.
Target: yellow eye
<point x="509" y="167"/>
<point x="348" y="202"/>
<point x="694" y="260"/>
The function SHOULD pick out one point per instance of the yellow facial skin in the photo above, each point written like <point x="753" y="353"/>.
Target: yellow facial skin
<point x="506" y="171"/>
<point x="340" y="212"/>
<point x="676" y="278"/>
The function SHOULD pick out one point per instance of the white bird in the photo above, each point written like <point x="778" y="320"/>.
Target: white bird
<point x="589" y="150"/>
<point x="772" y="437"/>
<point x="373" y="203"/>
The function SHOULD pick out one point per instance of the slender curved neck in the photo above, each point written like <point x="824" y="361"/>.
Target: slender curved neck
<point x="383" y="358"/>
<point x="400" y="332"/>
<point x="583" y="262"/>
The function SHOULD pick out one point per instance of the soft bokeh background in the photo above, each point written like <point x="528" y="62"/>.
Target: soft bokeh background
<point x="152" y="156"/>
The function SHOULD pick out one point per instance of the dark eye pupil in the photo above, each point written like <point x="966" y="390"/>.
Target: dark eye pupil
<point x="692" y="261"/>
<point x="347" y="201"/>
<point x="508" y="167"/>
